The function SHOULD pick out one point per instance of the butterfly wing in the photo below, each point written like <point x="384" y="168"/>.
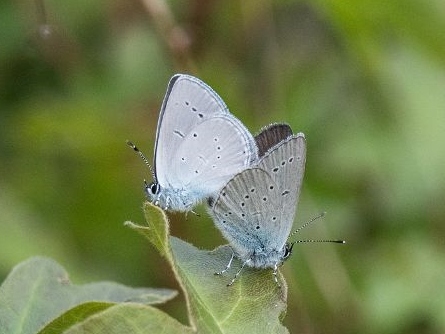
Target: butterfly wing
<point x="247" y="209"/>
<point x="192" y="107"/>
<point x="214" y="151"/>
<point x="285" y="164"/>
<point x="271" y="135"/>
<point x="255" y="210"/>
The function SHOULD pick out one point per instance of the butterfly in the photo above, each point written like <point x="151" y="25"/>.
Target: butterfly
<point x="255" y="210"/>
<point x="199" y="146"/>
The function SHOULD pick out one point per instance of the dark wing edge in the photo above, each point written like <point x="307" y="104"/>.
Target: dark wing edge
<point x="271" y="135"/>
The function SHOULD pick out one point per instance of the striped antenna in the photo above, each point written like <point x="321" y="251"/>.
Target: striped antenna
<point x="321" y="215"/>
<point x="133" y="146"/>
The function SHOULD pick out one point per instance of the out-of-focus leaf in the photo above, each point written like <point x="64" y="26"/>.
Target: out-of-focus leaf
<point x="39" y="290"/>
<point x="130" y="318"/>
<point x="72" y="316"/>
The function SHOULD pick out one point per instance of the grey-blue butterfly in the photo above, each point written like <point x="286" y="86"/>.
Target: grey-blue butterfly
<point x="256" y="208"/>
<point x="199" y="146"/>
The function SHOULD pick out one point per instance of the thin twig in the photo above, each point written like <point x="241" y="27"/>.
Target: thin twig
<point x="175" y="37"/>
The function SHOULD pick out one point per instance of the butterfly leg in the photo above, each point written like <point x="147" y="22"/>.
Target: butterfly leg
<point x="156" y="201"/>
<point x="238" y="272"/>
<point x="228" y="265"/>
<point x="195" y="213"/>
<point x="275" y="270"/>
<point x="167" y="203"/>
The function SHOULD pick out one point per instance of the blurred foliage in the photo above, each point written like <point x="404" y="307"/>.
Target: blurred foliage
<point x="38" y="297"/>
<point x="363" y="80"/>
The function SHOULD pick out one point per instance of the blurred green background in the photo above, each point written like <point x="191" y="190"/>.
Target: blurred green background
<point x="364" y="80"/>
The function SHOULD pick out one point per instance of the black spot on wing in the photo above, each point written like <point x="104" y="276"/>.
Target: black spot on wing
<point x="179" y="133"/>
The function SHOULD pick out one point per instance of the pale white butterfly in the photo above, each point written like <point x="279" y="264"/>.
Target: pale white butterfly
<point x="256" y="208"/>
<point x="199" y="146"/>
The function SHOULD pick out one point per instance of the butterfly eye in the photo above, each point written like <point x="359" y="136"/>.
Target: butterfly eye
<point x="154" y="188"/>
<point x="287" y="250"/>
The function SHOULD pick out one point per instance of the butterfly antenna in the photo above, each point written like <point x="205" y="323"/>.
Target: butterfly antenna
<point x="321" y="215"/>
<point x="133" y="146"/>
<point x="310" y="241"/>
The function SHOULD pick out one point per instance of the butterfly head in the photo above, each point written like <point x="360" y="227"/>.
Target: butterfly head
<point x="287" y="250"/>
<point x="152" y="191"/>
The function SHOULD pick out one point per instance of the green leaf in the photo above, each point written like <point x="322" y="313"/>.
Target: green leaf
<point x="130" y="318"/>
<point x="253" y="304"/>
<point x="38" y="290"/>
<point x="158" y="230"/>
<point x="72" y="317"/>
<point x="37" y="295"/>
